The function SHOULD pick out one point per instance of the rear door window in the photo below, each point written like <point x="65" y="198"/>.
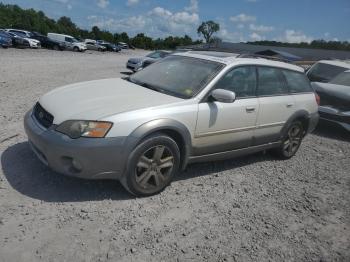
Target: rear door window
<point x="297" y="82"/>
<point x="271" y="82"/>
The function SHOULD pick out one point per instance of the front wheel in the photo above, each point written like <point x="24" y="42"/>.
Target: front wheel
<point x="291" y="142"/>
<point x="152" y="165"/>
<point x="76" y="49"/>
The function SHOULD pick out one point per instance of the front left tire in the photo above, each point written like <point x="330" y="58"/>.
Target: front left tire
<point x="152" y="165"/>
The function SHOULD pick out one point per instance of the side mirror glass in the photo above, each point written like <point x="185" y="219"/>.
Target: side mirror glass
<point x="223" y="96"/>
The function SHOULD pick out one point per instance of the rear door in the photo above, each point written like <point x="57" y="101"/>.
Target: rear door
<point x="276" y="105"/>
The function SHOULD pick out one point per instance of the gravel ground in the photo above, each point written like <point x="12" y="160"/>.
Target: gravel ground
<point x="253" y="208"/>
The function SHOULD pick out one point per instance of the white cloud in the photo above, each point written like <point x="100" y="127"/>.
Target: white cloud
<point x="102" y="3"/>
<point x="132" y="2"/>
<point x="159" y="22"/>
<point x="261" y="28"/>
<point x="292" y="36"/>
<point x="242" y="18"/>
<point x="255" y="36"/>
<point x="69" y="7"/>
<point x="193" y="7"/>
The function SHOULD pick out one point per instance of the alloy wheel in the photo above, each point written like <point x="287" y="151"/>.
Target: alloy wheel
<point x="293" y="140"/>
<point x="154" y="167"/>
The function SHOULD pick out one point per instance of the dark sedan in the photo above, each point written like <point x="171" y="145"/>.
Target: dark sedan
<point x="5" y="40"/>
<point x="335" y="99"/>
<point x="17" y="41"/>
<point x="47" y="42"/>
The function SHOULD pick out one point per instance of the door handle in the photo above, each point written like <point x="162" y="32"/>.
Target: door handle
<point x="250" y="109"/>
<point x="289" y="105"/>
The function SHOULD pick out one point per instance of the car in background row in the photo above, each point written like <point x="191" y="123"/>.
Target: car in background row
<point x="335" y="99"/>
<point x="137" y="64"/>
<point x="123" y="45"/>
<point x="93" y="45"/>
<point x="47" y="42"/>
<point x="33" y="43"/>
<point x="70" y="42"/>
<point x="5" y="40"/>
<point x="325" y="70"/>
<point x="109" y="47"/>
<point x="17" y="41"/>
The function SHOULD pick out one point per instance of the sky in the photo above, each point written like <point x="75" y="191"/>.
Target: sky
<point x="240" y="20"/>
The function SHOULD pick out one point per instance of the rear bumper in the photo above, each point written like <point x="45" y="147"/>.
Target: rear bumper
<point x="313" y="121"/>
<point x="89" y="158"/>
<point x="334" y="115"/>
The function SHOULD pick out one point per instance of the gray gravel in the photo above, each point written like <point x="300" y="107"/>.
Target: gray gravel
<point x="253" y="208"/>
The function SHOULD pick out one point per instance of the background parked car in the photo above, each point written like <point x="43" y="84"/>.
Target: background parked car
<point x="93" y="45"/>
<point x="5" y="40"/>
<point x="17" y="41"/>
<point x="123" y="45"/>
<point x="33" y="43"/>
<point x="47" y="42"/>
<point x="136" y="64"/>
<point x="70" y="42"/>
<point x="335" y="99"/>
<point x="109" y="46"/>
<point x="325" y="70"/>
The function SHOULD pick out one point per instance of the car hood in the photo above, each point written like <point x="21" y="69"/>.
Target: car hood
<point x="97" y="99"/>
<point x="32" y="40"/>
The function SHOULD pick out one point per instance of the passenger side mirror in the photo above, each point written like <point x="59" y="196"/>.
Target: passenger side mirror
<point x="223" y="96"/>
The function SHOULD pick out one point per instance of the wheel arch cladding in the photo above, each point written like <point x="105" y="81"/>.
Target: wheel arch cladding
<point x="173" y="128"/>
<point x="302" y="115"/>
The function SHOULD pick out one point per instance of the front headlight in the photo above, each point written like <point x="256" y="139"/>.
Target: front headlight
<point x="83" y="128"/>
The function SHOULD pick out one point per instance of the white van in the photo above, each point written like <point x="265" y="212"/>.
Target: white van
<point x="70" y="42"/>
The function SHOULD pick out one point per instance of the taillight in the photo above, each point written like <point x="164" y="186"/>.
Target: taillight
<point x="318" y="99"/>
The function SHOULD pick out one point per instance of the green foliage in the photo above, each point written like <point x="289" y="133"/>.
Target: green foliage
<point x="12" y="16"/>
<point x="207" y="29"/>
<point x="317" y="44"/>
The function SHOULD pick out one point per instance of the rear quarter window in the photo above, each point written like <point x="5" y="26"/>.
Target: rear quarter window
<point x="297" y="82"/>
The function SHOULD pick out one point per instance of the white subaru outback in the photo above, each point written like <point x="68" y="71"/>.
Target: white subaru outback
<point x="188" y="107"/>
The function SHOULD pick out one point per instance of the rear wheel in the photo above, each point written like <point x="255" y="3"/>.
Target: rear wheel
<point x="152" y="165"/>
<point x="291" y="142"/>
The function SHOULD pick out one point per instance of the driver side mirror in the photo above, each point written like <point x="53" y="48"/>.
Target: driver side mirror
<point x="223" y="96"/>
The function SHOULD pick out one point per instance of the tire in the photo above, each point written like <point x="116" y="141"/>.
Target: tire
<point x="56" y="47"/>
<point x="152" y="165"/>
<point x="291" y="141"/>
<point x="75" y="49"/>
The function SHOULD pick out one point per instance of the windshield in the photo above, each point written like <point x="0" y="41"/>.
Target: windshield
<point x="324" y="72"/>
<point x="176" y="75"/>
<point x="342" y="79"/>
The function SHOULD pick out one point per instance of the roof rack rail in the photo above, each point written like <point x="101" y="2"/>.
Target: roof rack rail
<point x="246" y="55"/>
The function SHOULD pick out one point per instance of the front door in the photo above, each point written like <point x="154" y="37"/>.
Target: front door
<point x="228" y="126"/>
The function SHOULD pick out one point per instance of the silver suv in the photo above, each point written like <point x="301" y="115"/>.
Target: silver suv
<point x="188" y="107"/>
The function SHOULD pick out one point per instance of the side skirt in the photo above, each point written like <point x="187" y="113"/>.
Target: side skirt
<point x="232" y="153"/>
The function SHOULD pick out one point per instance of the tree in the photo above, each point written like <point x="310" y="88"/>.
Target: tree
<point x="207" y="29"/>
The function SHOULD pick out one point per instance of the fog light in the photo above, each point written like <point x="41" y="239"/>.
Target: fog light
<point x="76" y="164"/>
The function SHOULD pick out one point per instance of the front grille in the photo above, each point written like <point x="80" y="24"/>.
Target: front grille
<point x="42" y="116"/>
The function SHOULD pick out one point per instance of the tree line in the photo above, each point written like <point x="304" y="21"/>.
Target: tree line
<point x="317" y="44"/>
<point x="13" y="16"/>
